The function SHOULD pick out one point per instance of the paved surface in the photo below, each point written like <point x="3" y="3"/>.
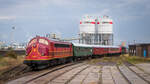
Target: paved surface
<point x="141" y="73"/>
<point x="111" y="75"/>
<point x="68" y="76"/>
<point x="118" y="78"/>
<point x="104" y="73"/>
<point x="132" y="77"/>
<point x="145" y="67"/>
<point x="47" y="78"/>
<point x="93" y="77"/>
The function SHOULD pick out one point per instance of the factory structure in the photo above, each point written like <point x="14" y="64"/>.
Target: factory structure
<point x="96" y="30"/>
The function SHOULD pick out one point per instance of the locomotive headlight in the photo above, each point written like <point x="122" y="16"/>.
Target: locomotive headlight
<point x="34" y="45"/>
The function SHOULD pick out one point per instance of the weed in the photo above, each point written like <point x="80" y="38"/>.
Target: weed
<point x="11" y="54"/>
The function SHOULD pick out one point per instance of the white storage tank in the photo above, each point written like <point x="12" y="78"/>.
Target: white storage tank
<point x="105" y="25"/>
<point x="87" y="24"/>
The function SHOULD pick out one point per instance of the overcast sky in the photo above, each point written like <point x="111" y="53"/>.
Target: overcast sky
<point x="131" y="18"/>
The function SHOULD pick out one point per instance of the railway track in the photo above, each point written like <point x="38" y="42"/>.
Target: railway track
<point x="83" y="73"/>
<point x="30" y="78"/>
<point x="51" y="75"/>
<point x="80" y="75"/>
<point x="126" y="73"/>
<point x="66" y="74"/>
<point x="134" y="75"/>
<point x="127" y="80"/>
<point x="76" y="71"/>
<point x="111" y="75"/>
<point x="13" y="73"/>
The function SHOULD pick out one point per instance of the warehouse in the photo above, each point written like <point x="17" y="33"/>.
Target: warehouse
<point x="142" y="50"/>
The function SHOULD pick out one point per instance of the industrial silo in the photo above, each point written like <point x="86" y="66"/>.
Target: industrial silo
<point x="105" y="30"/>
<point x="96" y="30"/>
<point x="87" y="30"/>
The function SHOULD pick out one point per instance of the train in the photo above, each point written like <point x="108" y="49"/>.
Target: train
<point x="42" y="52"/>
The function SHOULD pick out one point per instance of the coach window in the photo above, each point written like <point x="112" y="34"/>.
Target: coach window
<point x="43" y="41"/>
<point x="105" y="49"/>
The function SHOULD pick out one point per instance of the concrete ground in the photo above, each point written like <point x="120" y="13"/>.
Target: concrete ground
<point x="101" y="73"/>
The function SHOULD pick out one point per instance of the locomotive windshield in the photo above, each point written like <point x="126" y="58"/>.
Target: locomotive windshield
<point x="33" y="41"/>
<point x="43" y="41"/>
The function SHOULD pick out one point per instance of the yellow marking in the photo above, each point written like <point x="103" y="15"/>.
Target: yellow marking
<point x="39" y="59"/>
<point x="31" y="51"/>
<point x="34" y="56"/>
<point x="37" y="49"/>
<point x="48" y="58"/>
<point x="34" y="50"/>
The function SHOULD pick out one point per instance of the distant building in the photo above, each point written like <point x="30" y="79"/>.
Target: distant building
<point x="96" y="30"/>
<point x="53" y="36"/>
<point x="142" y="50"/>
<point x="17" y="46"/>
<point x="2" y="44"/>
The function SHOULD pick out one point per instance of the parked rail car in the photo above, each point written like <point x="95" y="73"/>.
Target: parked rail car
<point x="106" y="50"/>
<point x="123" y="50"/>
<point x="100" y="50"/>
<point x="81" y="51"/>
<point x="42" y="52"/>
<point x="114" y="50"/>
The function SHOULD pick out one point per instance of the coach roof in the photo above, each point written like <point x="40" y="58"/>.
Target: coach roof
<point x="95" y="46"/>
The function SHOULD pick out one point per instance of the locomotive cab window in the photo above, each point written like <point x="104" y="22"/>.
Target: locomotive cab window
<point x="43" y="41"/>
<point x="33" y="41"/>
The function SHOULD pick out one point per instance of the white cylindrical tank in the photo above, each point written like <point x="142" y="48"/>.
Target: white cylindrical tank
<point x="105" y="25"/>
<point x="87" y="24"/>
<point x="96" y="30"/>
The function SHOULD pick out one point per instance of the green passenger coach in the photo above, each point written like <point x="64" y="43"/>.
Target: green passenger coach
<point x="82" y="51"/>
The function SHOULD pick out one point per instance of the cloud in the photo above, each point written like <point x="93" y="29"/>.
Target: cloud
<point x="43" y="16"/>
<point x="3" y="36"/>
<point x="7" y="17"/>
<point x="103" y="12"/>
<point x="59" y="2"/>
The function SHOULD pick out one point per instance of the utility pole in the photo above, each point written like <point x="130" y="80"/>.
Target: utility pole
<point x="134" y="41"/>
<point x="13" y="29"/>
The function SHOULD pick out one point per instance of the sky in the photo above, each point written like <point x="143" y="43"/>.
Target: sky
<point x="131" y="18"/>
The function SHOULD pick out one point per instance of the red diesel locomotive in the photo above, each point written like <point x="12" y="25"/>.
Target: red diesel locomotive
<point x="42" y="52"/>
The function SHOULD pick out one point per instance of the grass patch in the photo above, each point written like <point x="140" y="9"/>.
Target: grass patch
<point x="136" y="59"/>
<point x="10" y="59"/>
<point x="11" y="54"/>
<point x="114" y="59"/>
<point x="120" y="59"/>
<point x="9" y="62"/>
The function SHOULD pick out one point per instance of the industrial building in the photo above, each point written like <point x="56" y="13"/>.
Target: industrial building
<point x="96" y="30"/>
<point x="142" y="50"/>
